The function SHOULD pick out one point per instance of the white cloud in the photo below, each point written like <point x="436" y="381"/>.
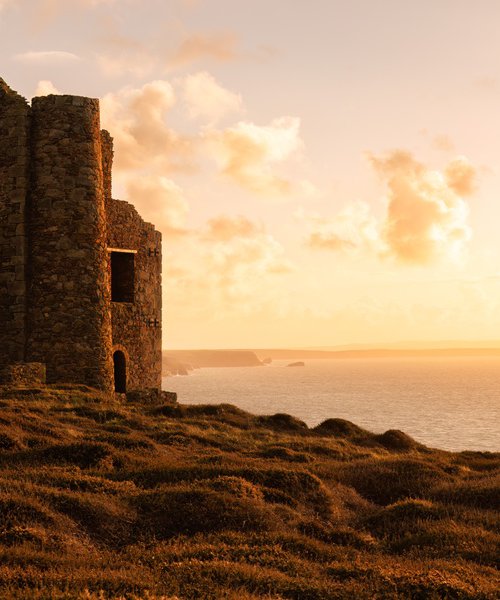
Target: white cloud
<point x="227" y="267"/>
<point x="136" y="118"/>
<point x="50" y="56"/>
<point x="224" y="228"/>
<point x="206" y="99"/>
<point x="139" y="64"/>
<point x="461" y="176"/>
<point x="353" y="228"/>
<point x="426" y="215"/>
<point x="45" y="88"/>
<point x="249" y="154"/>
<point x="216" y="46"/>
<point x="231" y="263"/>
<point x="159" y="200"/>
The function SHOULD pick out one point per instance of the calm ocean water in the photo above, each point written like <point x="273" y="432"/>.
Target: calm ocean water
<point x="453" y="404"/>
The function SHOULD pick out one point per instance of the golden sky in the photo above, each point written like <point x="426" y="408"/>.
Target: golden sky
<point x="323" y="172"/>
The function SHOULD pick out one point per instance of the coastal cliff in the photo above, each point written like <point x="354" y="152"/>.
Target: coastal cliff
<point x="180" y="362"/>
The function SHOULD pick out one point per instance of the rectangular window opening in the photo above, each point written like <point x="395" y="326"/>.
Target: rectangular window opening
<point x="122" y="276"/>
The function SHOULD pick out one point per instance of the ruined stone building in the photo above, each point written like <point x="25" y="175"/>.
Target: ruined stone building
<point x="80" y="272"/>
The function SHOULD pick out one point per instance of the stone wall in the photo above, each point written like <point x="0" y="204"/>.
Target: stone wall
<point x="14" y="184"/>
<point x="22" y="374"/>
<point x="137" y="325"/>
<point x="69" y="325"/>
<point x="57" y="224"/>
<point x="107" y="163"/>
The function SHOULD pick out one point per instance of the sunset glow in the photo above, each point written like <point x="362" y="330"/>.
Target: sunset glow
<point x="324" y="173"/>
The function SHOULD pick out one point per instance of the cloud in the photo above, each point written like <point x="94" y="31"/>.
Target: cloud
<point x="228" y="267"/>
<point x="217" y="46"/>
<point x="139" y="63"/>
<point x="353" y="228"/>
<point x="461" y="176"/>
<point x="206" y="99"/>
<point x="51" y="56"/>
<point x="146" y="149"/>
<point x="426" y="217"/>
<point x="249" y="154"/>
<point x="159" y="200"/>
<point x="239" y="260"/>
<point x="224" y="229"/>
<point x="51" y="7"/>
<point x="230" y="262"/>
<point x="45" y="88"/>
<point x="443" y="143"/>
<point x="136" y="118"/>
<point x="45" y="11"/>
<point x="122" y="53"/>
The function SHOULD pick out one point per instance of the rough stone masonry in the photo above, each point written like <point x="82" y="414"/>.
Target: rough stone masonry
<point x="80" y="272"/>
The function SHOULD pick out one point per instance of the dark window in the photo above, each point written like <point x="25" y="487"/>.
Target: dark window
<point x="122" y="276"/>
<point x="120" y="368"/>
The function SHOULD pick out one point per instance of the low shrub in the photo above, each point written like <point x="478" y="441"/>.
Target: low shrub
<point x="387" y="481"/>
<point x="85" y="455"/>
<point x="283" y="453"/>
<point x="18" y="510"/>
<point x="481" y="492"/>
<point x="343" y="429"/>
<point x="396" y="440"/>
<point x="282" y="422"/>
<point x="103" y="518"/>
<point x="190" y="509"/>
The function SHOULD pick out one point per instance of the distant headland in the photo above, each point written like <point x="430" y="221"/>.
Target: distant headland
<point x="181" y="362"/>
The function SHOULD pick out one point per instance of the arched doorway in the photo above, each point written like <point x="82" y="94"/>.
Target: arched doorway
<point x="120" y="369"/>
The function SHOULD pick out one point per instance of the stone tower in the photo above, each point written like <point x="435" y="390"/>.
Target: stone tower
<point x="80" y="272"/>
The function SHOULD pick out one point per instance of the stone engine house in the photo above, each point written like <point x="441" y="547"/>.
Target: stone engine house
<point x="80" y="272"/>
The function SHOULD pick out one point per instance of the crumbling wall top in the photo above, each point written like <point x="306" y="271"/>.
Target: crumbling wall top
<point x="8" y="92"/>
<point x="65" y="100"/>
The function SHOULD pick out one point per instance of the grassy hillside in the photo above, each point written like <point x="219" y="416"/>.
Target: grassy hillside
<point x="100" y="500"/>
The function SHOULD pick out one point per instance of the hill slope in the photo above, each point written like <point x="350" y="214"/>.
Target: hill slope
<point x="101" y="500"/>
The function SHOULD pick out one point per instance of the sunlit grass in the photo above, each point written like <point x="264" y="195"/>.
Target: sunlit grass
<point x="101" y="500"/>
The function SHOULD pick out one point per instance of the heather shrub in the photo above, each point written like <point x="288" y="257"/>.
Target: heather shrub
<point x="99" y="414"/>
<point x="237" y="486"/>
<point x="126" y="441"/>
<point x="387" y="481"/>
<point x="17" y="509"/>
<point x="282" y="422"/>
<point x="343" y="429"/>
<point x="393" y="439"/>
<point x="171" y="511"/>
<point x="480" y="492"/>
<point x="105" y="519"/>
<point x="82" y="454"/>
<point x="397" y="515"/>
<point x="10" y="439"/>
<point x="286" y="454"/>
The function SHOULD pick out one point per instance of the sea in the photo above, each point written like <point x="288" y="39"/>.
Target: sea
<point x="447" y="403"/>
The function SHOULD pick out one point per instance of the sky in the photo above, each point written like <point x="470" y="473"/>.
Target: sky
<point x="324" y="172"/>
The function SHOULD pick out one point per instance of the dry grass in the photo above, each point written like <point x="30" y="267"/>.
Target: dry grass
<point x="100" y="500"/>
